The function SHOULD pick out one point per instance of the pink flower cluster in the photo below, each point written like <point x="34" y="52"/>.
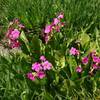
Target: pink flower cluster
<point x="95" y="59"/>
<point x="92" y="58"/>
<point x="14" y="33"/>
<point x="39" y="69"/>
<point x="74" y="51"/>
<point x="85" y="60"/>
<point x="79" y="69"/>
<point x="54" y="26"/>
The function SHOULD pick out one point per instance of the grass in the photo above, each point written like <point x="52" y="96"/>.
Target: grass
<point x="35" y="13"/>
<point x="81" y="17"/>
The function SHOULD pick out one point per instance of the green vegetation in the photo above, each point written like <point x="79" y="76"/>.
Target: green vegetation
<point x="81" y="30"/>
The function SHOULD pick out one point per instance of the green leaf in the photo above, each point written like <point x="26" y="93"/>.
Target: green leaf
<point x="36" y="45"/>
<point x="84" y="38"/>
<point x="19" y="76"/>
<point x="72" y="64"/>
<point x="92" y="47"/>
<point x="47" y="96"/>
<point x="60" y="59"/>
<point x="25" y="40"/>
<point x="23" y="37"/>
<point x="23" y="95"/>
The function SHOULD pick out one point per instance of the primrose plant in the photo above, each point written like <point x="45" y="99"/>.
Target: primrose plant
<point x="87" y="65"/>
<point x="39" y="69"/>
<point x="13" y="33"/>
<point x="55" y="26"/>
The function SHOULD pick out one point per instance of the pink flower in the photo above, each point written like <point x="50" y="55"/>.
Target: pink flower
<point x="56" y="21"/>
<point x="41" y="74"/>
<point x="62" y="24"/>
<point x="14" y="34"/>
<point x="21" y="26"/>
<point x="95" y="66"/>
<point x="14" y="44"/>
<point x="79" y="69"/>
<point x="36" y="67"/>
<point x="31" y="76"/>
<point x="16" y="21"/>
<point x="9" y="32"/>
<point x="46" y="38"/>
<point x="77" y="52"/>
<point x="74" y="51"/>
<point x="57" y="28"/>
<point x="96" y="59"/>
<point x="61" y="16"/>
<point x="48" y="29"/>
<point x="42" y="58"/>
<point x="85" y="60"/>
<point x="46" y="65"/>
<point x="92" y="54"/>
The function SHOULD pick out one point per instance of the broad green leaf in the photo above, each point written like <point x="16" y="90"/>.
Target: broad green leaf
<point x="60" y="59"/>
<point x="84" y="38"/>
<point x="36" y="45"/>
<point x="25" y="40"/>
<point x="72" y="64"/>
<point x="23" y="37"/>
<point x="92" y="47"/>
